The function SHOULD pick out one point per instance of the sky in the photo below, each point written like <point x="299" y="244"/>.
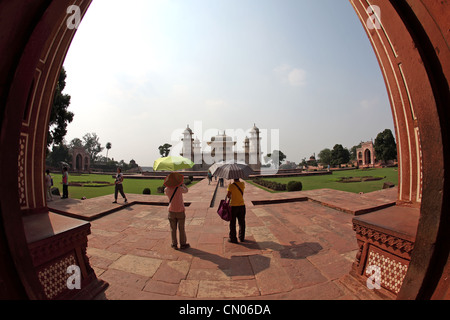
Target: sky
<point x="303" y="71"/>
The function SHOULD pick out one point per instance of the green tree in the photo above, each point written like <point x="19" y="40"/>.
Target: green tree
<point x="303" y="163"/>
<point x="312" y="162"/>
<point x="92" y="145"/>
<point x="60" y="117"/>
<point x="385" y="146"/>
<point x="325" y="157"/>
<point x="133" y="164"/>
<point x="60" y="153"/>
<point x="277" y="157"/>
<point x="164" y="150"/>
<point x="76" y="143"/>
<point x="108" y="147"/>
<point x="339" y="155"/>
<point x="353" y="154"/>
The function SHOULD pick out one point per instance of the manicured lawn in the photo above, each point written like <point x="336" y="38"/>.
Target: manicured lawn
<point x="330" y="181"/>
<point x="133" y="186"/>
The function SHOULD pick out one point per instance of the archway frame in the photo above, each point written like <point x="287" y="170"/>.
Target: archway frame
<point x="367" y="156"/>
<point x="410" y="46"/>
<point x="79" y="163"/>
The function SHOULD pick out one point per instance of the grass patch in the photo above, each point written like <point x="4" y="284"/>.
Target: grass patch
<point x="332" y="181"/>
<point x="93" y="185"/>
<point x="358" y="179"/>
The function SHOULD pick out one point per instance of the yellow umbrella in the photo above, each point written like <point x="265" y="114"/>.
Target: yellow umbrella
<point x="172" y="163"/>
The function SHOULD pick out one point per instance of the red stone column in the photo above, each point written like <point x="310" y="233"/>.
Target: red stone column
<point x="394" y="49"/>
<point x="42" y="245"/>
<point x="411" y="44"/>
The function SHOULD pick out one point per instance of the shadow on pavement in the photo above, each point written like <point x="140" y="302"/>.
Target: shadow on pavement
<point x="235" y="265"/>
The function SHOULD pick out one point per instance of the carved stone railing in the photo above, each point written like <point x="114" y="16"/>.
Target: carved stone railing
<point x="57" y="247"/>
<point x="386" y="241"/>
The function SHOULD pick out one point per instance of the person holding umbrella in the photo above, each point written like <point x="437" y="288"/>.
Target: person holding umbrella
<point x="174" y="190"/>
<point x="177" y="216"/>
<point x="238" y="211"/>
<point x="172" y="163"/>
<point x="235" y="192"/>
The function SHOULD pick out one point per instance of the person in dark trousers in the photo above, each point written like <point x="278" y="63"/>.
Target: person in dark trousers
<point x="65" y="182"/>
<point x="119" y="186"/>
<point x="236" y="194"/>
<point x="209" y="177"/>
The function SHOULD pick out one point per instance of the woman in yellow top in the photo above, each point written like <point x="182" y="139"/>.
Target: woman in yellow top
<point x="236" y="194"/>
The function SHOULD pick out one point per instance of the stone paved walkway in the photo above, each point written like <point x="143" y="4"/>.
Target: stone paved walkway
<point x="294" y="250"/>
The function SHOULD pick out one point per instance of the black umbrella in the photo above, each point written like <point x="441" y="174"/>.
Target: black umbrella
<point x="64" y="164"/>
<point x="216" y="165"/>
<point x="233" y="171"/>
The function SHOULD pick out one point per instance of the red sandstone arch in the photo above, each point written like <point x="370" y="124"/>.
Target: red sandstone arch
<point x="412" y="47"/>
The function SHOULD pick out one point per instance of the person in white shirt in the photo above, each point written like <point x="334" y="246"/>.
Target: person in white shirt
<point x="48" y="185"/>
<point x="119" y="186"/>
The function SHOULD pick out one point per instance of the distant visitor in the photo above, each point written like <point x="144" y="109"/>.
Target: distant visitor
<point x="65" y="182"/>
<point x="119" y="186"/>
<point x="48" y="185"/>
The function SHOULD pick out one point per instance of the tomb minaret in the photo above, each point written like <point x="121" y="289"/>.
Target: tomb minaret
<point x="188" y="144"/>
<point x="255" y="149"/>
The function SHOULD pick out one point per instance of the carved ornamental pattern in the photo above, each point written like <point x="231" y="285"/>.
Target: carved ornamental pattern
<point x="21" y="172"/>
<point x="54" y="276"/>
<point x="46" y="250"/>
<point x="388" y="240"/>
<point x="392" y="269"/>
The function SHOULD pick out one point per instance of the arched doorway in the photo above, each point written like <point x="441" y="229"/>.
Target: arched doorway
<point x="360" y="158"/>
<point x="79" y="163"/>
<point x="410" y="45"/>
<point x="367" y="157"/>
<point x="80" y="160"/>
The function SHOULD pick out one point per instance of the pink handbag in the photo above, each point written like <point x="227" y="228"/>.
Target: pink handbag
<point x="224" y="210"/>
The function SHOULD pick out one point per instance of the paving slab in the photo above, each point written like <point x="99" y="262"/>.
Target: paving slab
<point x="188" y="288"/>
<point x="135" y="264"/>
<point x="270" y="276"/>
<point x="348" y="202"/>
<point x="293" y="250"/>
<point x="213" y="289"/>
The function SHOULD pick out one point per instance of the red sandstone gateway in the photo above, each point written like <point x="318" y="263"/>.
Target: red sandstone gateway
<point x="411" y="45"/>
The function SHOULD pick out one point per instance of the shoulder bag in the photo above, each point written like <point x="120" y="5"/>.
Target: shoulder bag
<point x="224" y="210"/>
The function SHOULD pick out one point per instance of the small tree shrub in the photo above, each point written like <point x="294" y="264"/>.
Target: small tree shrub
<point x="294" y="186"/>
<point x="270" y="184"/>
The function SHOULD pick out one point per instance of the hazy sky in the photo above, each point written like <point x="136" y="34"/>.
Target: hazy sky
<point x="139" y="73"/>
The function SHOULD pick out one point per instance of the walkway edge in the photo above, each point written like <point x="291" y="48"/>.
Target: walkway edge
<point x="107" y="212"/>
